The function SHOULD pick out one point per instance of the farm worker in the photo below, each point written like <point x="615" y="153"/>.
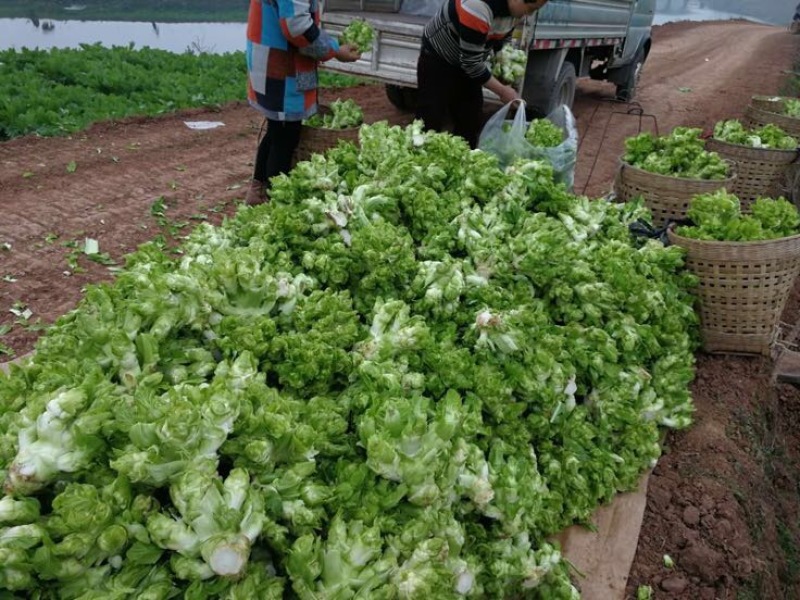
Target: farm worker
<point x="285" y="43"/>
<point x="795" y="26"/>
<point x="452" y="70"/>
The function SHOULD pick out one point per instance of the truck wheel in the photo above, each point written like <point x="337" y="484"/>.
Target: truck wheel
<point x="626" y="91"/>
<point x="561" y="91"/>
<point x="402" y="97"/>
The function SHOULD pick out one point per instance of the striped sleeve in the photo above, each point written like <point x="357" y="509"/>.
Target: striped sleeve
<point x="300" y="29"/>
<point x="474" y="24"/>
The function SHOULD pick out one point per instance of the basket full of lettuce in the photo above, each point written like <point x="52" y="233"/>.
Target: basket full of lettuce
<point x="396" y="380"/>
<point x="781" y="111"/>
<point x="337" y="121"/>
<point x="762" y="155"/>
<point x="775" y="104"/>
<point x="668" y="171"/>
<point x="746" y="265"/>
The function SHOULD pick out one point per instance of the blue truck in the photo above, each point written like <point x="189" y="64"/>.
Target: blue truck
<point x="606" y="40"/>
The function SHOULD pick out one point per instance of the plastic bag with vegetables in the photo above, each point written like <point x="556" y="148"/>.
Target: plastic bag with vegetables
<point x="554" y="139"/>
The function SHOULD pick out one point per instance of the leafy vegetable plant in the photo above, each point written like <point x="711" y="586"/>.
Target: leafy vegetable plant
<point x="768" y="136"/>
<point x="343" y="114"/>
<point x="509" y="64"/>
<point x="792" y="107"/>
<point x="359" y="33"/>
<point x="718" y="216"/>
<point x="679" y="154"/>
<point x="543" y="133"/>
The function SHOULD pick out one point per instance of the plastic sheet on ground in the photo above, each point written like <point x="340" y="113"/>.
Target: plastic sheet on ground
<point x="604" y="557"/>
<point x="203" y="125"/>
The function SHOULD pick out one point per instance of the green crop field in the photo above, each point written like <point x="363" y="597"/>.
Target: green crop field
<point x="59" y="91"/>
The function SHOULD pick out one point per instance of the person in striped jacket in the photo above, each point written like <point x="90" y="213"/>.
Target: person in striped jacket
<point x="285" y="43"/>
<point x="452" y="69"/>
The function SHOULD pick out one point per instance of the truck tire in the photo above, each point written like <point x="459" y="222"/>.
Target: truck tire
<point x="626" y="91"/>
<point x="564" y="90"/>
<point x="551" y="95"/>
<point x="401" y="97"/>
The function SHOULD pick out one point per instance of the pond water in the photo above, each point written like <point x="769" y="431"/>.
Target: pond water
<point x="176" y="37"/>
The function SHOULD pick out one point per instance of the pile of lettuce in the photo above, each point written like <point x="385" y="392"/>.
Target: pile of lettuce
<point x="682" y="153"/>
<point x="718" y="216"/>
<point x="342" y="114"/>
<point x="769" y="136"/>
<point x="394" y="381"/>
<point x="509" y="64"/>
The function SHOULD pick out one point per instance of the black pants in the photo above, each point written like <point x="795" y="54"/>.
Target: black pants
<point x="276" y="149"/>
<point x="446" y="93"/>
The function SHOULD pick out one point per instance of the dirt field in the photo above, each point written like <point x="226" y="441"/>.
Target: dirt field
<point x="725" y="498"/>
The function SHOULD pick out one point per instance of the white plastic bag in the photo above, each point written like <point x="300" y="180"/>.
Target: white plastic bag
<point x="564" y="156"/>
<point x="506" y="138"/>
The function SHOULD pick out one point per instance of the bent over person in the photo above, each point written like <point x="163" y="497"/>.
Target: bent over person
<point x="285" y="44"/>
<point x="452" y="69"/>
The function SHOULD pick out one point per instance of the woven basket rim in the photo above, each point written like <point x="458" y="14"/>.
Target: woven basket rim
<point x="796" y="151"/>
<point x="774" y="98"/>
<point x="721" y="182"/>
<point x="757" y="110"/>
<point x="730" y="244"/>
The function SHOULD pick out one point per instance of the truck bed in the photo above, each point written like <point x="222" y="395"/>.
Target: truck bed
<point x="396" y="46"/>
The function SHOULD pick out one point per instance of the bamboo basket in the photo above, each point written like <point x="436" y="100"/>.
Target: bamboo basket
<point x="743" y="288"/>
<point x="668" y="198"/>
<point x="756" y="117"/>
<point x="316" y="140"/>
<point x="759" y="171"/>
<point x="773" y="104"/>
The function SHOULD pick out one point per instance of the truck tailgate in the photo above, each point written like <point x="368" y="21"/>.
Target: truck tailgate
<point x="581" y="19"/>
<point x="395" y="49"/>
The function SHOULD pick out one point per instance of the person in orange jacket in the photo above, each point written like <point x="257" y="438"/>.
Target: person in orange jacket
<point x="285" y="44"/>
<point x="452" y="70"/>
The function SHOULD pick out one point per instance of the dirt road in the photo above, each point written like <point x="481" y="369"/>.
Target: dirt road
<point x="723" y="501"/>
<point x="696" y="74"/>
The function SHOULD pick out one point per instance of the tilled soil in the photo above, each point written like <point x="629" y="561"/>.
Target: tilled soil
<point x="725" y="498"/>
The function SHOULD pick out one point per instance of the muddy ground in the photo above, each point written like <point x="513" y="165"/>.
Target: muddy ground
<point x="724" y="501"/>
